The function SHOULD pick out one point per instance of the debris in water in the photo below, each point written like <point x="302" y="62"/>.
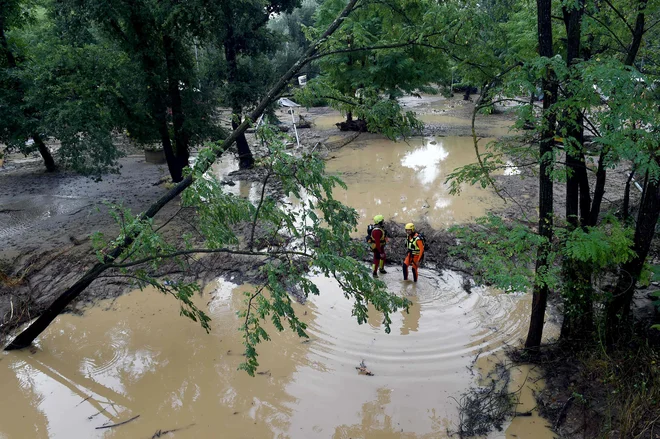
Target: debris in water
<point x="117" y="425"/>
<point x="363" y="369"/>
<point x="264" y="373"/>
<point x="161" y="433"/>
<point x="467" y="285"/>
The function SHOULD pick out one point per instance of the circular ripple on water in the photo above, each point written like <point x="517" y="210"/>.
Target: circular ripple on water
<point x="103" y="356"/>
<point x="443" y="330"/>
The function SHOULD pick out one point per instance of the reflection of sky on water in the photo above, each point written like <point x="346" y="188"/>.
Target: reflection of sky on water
<point x="511" y="169"/>
<point x="426" y="160"/>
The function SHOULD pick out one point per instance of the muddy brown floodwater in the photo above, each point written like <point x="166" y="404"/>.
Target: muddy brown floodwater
<point x="405" y="181"/>
<point x="136" y="356"/>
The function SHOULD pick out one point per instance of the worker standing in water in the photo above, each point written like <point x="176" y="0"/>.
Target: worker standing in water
<point x="377" y="238"/>
<point x="415" y="251"/>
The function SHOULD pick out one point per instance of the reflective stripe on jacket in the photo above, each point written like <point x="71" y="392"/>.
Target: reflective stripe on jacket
<point x="413" y="244"/>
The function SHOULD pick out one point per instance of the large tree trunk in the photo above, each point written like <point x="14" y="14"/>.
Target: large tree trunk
<point x="245" y="157"/>
<point x="181" y="135"/>
<point x="45" y="153"/>
<point x="546" y="210"/>
<point x="25" y="338"/>
<point x="638" y="33"/>
<point x="173" y="165"/>
<point x="157" y="95"/>
<point x="618" y="310"/>
<point x="577" y="289"/>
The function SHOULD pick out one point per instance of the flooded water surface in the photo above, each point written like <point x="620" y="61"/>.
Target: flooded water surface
<point x="135" y="356"/>
<point x="405" y="181"/>
<point x="133" y="368"/>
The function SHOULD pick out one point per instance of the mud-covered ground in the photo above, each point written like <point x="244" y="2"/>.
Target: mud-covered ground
<point x="46" y="219"/>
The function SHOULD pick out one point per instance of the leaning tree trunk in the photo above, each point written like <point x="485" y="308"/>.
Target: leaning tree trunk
<point x="25" y="338"/>
<point x="45" y="153"/>
<point x="549" y="85"/>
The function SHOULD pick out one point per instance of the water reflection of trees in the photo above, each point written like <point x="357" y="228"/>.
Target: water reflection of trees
<point x="375" y="423"/>
<point x="19" y="412"/>
<point x="185" y="377"/>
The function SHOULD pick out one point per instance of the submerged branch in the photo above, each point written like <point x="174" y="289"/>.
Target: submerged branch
<point x="117" y="425"/>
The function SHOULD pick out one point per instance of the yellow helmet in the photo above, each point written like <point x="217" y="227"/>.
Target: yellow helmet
<point x="379" y="219"/>
<point x="410" y="226"/>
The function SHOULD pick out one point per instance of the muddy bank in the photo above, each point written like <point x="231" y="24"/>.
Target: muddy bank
<point x="48" y="220"/>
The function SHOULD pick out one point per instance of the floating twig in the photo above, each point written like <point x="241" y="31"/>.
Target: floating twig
<point x="161" y="433"/>
<point x="98" y="413"/>
<point x="83" y="400"/>
<point x="117" y="425"/>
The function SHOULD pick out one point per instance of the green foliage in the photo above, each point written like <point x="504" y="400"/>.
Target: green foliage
<point x="149" y="251"/>
<point x="605" y="246"/>
<point x="292" y="27"/>
<point x="501" y="254"/>
<point x="385" y="116"/>
<point x="66" y="92"/>
<point x="78" y="97"/>
<point x="373" y="59"/>
<point x="476" y="173"/>
<point x="289" y="241"/>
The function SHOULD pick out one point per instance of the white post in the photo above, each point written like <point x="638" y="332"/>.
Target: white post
<point x="295" y="130"/>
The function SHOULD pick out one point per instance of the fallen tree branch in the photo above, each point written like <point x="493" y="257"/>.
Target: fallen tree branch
<point x="205" y="250"/>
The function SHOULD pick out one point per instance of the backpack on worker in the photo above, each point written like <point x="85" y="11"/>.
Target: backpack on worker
<point x="370" y="229"/>
<point x="421" y="236"/>
<point x="369" y="239"/>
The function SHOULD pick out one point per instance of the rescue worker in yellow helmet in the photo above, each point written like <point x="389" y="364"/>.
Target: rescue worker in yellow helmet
<point x="415" y="247"/>
<point x="378" y="239"/>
